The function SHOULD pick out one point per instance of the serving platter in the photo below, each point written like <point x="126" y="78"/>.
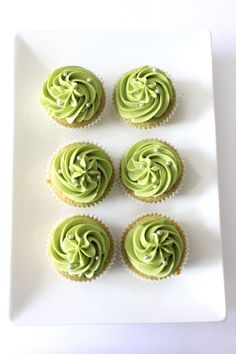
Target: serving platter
<point x="38" y="295"/>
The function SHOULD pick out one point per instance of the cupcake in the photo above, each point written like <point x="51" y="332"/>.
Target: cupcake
<point x="154" y="247"/>
<point x="80" y="248"/>
<point x="145" y="97"/>
<point x="81" y="174"/>
<point x="73" y="96"/>
<point x="151" y="170"/>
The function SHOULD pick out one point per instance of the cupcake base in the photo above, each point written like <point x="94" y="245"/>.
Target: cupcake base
<point x="108" y="263"/>
<point x="126" y="260"/>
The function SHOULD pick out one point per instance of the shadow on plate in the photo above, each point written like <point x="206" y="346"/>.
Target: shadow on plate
<point x="193" y="99"/>
<point x="204" y="244"/>
<point x="200" y="171"/>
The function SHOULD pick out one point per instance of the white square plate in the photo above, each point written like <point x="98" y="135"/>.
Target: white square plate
<point x="38" y="295"/>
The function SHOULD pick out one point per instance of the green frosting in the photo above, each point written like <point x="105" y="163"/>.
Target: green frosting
<point x="79" y="246"/>
<point x="82" y="172"/>
<point x="142" y="94"/>
<point x="71" y="93"/>
<point x="150" y="168"/>
<point x="154" y="246"/>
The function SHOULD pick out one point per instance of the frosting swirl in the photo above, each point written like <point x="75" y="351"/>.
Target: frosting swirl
<point x="154" y="246"/>
<point x="151" y="168"/>
<point x="82" y="172"/>
<point x="143" y="93"/>
<point x="71" y="93"/>
<point x="79" y="246"/>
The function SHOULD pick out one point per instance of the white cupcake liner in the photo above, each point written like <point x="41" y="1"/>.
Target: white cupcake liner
<point x="108" y="266"/>
<point x="72" y="204"/>
<point x="145" y="278"/>
<point x="171" y="194"/>
<point x="162" y="121"/>
<point x="93" y="121"/>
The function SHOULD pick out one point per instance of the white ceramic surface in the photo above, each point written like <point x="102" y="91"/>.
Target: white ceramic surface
<point x="38" y="295"/>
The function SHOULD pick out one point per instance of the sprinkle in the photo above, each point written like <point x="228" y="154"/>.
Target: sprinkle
<point x="154" y="70"/>
<point x="141" y="105"/>
<point x="59" y="172"/>
<point x="59" y="103"/>
<point x="159" y="232"/>
<point x="78" y="157"/>
<point x="99" y="176"/>
<point x="156" y="150"/>
<point x="89" y="79"/>
<point x="65" y="73"/>
<point x="74" y="181"/>
<point x="97" y="258"/>
<point x="157" y="91"/>
<point x="70" y="237"/>
<point x="168" y="163"/>
<point x="88" y="105"/>
<point x="146" y="257"/>
<point x="141" y="165"/>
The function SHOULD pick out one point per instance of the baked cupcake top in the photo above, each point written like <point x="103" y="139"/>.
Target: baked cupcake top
<point x="142" y="94"/>
<point x="71" y="93"/>
<point x="80" y="246"/>
<point x="155" y="246"/>
<point x="82" y="172"/>
<point x="151" y="169"/>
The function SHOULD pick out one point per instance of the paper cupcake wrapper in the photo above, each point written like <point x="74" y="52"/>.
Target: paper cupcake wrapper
<point x="137" y="274"/>
<point x="155" y="121"/>
<point x="64" y="199"/>
<point x="85" y="124"/>
<point x="169" y="194"/>
<point x="109" y="261"/>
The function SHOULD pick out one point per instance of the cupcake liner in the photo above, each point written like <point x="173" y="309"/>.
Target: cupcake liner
<point x="64" y="199"/>
<point x="169" y="194"/>
<point x="109" y="261"/>
<point x="85" y="124"/>
<point x="155" y="121"/>
<point x="128" y="265"/>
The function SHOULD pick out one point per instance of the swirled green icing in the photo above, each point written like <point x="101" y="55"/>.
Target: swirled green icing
<point x="71" y="93"/>
<point x="79" y="246"/>
<point x="82" y="172"/>
<point x="150" y="168"/>
<point x="143" y="93"/>
<point x="154" y="246"/>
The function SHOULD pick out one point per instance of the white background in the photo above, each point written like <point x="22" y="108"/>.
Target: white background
<point x="75" y="15"/>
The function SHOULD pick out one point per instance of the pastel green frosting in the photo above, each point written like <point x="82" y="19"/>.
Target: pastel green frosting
<point x="155" y="247"/>
<point x="150" y="168"/>
<point x="143" y="93"/>
<point x="71" y="93"/>
<point x="79" y="246"/>
<point x="82" y="172"/>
